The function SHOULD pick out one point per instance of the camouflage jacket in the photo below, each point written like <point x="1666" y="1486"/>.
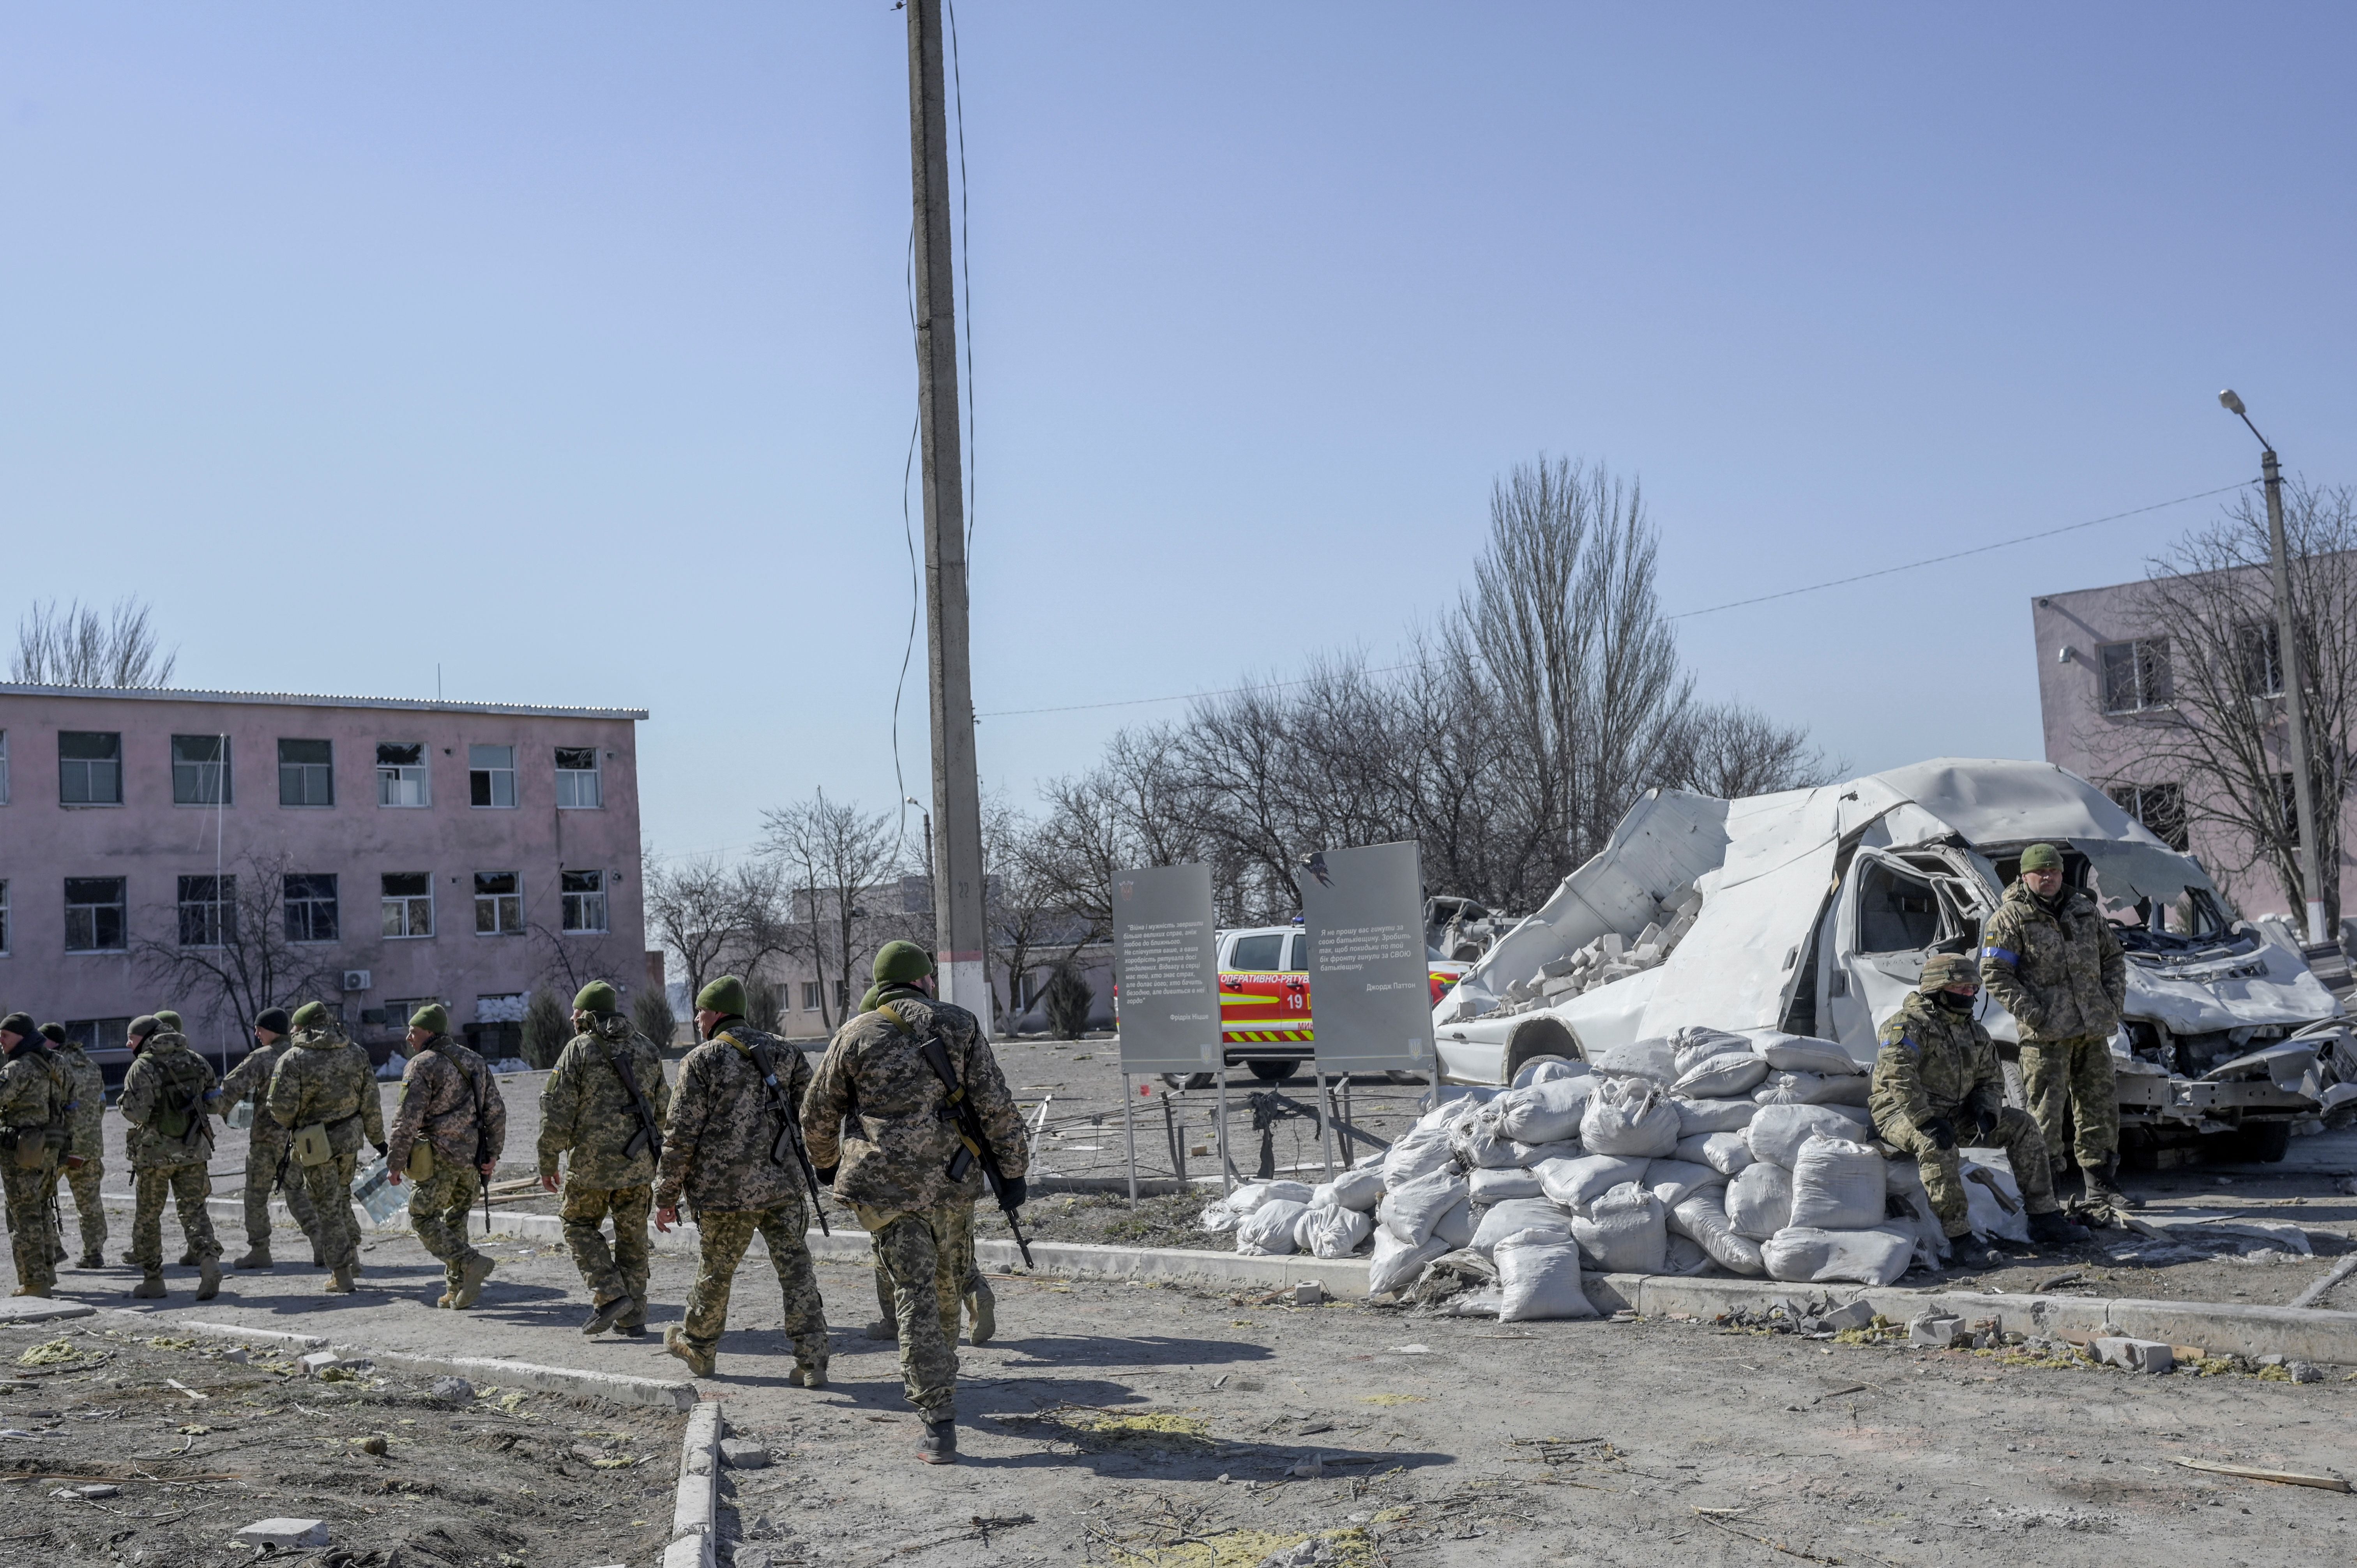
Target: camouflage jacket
<point x="34" y="1088"/>
<point x="327" y="1077"/>
<point x="879" y="1114"/>
<point x="169" y="1081"/>
<point x="2060" y="974"/>
<point x="88" y="1100"/>
<point x="716" y="1150"/>
<point x="249" y="1080"/>
<point x="585" y="1108"/>
<point x="446" y="1092"/>
<point x="1932" y="1063"/>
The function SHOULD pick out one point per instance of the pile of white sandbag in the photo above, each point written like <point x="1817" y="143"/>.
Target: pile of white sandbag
<point x="1609" y="957"/>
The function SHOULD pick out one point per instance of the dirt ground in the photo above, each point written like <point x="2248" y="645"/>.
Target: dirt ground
<point x="198" y="1444"/>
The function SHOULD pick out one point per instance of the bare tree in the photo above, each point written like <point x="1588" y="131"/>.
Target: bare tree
<point x="2203" y="707"/>
<point x="1729" y="750"/>
<point x="836" y="859"/>
<point x="1037" y="906"/>
<point x="230" y="958"/>
<point x="696" y="907"/>
<point x="73" y="647"/>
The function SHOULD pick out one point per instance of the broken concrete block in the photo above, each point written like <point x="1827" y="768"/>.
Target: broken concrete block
<point x="285" y="1532"/>
<point x="2135" y="1355"/>
<point x="1561" y="966"/>
<point x="1309" y="1292"/>
<point x="451" y="1389"/>
<point x="2305" y="1372"/>
<point x="1856" y="1315"/>
<point x="328" y="1364"/>
<point x="1650" y="935"/>
<point x="741" y="1454"/>
<point x="1612" y="944"/>
<point x="237" y="1353"/>
<point x="1939" y="1333"/>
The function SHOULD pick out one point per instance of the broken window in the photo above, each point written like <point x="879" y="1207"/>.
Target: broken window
<point x="2135" y="674"/>
<point x="200" y="770"/>
<point x="90" y="767"/>
<point x="311" y="912"/>
<point x="1259" y="952"/>
<point x="408" y="904"/>
<point x="577" y="778"/>
<point x="1897" y="912"/>
<point x="498" y="904"/>
<point x="2261" y="652"/>
<point x="208" y="911"/>
<point x="490" y="774"/>
<point x="2159" y="807"/>
<point x="584" y="893"/>
<point x="401" y="774"/>
<point x="94" y="914"/>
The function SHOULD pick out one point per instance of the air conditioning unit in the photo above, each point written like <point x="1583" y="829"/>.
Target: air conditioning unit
<point x="356" y="980"/>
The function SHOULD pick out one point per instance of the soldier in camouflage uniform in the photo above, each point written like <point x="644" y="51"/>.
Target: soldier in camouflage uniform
<point x="34" y="1096"/>
<point x="325" y="1081"/>
<point x="891" y="1165"/>
<point x="586" y="1107"/>
<point x="718" y="1160"/>
<point x="1936" y="1086"/>
<point x="167" y="1099"/>
<point x="267" y="1162"/>
<point x="2054" y="962"/>
<point x="84" y="1163"/>
<point x="450" y="1111"/>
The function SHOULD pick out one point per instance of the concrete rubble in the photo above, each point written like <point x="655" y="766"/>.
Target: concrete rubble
<point x="285" y="1532"/>
<point x="1608" y="958"/>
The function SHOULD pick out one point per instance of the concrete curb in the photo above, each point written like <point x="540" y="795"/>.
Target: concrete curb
<point x="695" y="1513"/>
<point x="31" y="1309"/>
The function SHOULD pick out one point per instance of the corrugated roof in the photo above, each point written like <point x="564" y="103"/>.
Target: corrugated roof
<point x="314" y="700"/>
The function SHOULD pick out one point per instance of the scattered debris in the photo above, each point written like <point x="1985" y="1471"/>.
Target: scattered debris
<point x="297" y="1532"/>
<point x="742" y="1453"/>
<point x="2252" y="1473"/>
<point x="2135" y="1355"/>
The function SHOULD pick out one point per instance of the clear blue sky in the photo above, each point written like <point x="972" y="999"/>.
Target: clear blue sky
<point x="567" y="346"/>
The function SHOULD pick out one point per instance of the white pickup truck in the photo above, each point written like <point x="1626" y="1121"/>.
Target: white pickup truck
<point x="1819" y="906"/>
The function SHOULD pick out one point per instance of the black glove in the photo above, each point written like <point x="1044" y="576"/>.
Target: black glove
<point x="383" y="1148"/>
<point x="826" y="1174"/>
<point x="1011" y="1192"/>
<point x="1941" y="1132"/>
<point x="1984" y="1127"/>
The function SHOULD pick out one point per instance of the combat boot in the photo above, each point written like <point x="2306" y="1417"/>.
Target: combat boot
<point x="605" y="1314"/>
<point x="1969" y="1251"/>
<point x="883" y="1328"/>
<point x="984" y="1312"/>
<point x="2054" y="1228"/>
<point x="256" y="1256"/>
<point x="470" y="1281"/>
<point x="939" y="1443"/>
<point x="2103" y="1187"/>
<point x="188" y="1258"/>
<point x="809" y="1377"/>
<point x="208" y="1278"/>
<point x="94" y="1259"/>
<point x="41" y="1291"/>
<point x="150" y="1286"/>
<point x="703" y="1363"/>
<point x="340" y="1282"/>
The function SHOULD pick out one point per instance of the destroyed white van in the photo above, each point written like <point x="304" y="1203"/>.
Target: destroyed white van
<point x="1814" y="910"/>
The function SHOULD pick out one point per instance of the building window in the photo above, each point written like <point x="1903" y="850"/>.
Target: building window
<point x="4" y="919"/>
<point x="311" y="914"/>
<point x="2261" y="651"/>
<point x="2135" y="675"/>
<point x="99" y="1034"/>
<point x="307" y="773"/>
<point x="584" y="900"/>
<point x="408" y="904"/>
<point x="498" y="904"/>
<point x="397" y="1011"/>
<point x="4" y="766"/>
<point x="809" y="995"/>
<point x="2159" y="807"/>
<point x="200" y="770"/>
<point x="490" y="774"/>
<point x="577" y="778"/>
<point x="401" y="774"/>
<point x="90" y="767"/>
<point x="208" y="911"/>
<point x="94" y="914"/>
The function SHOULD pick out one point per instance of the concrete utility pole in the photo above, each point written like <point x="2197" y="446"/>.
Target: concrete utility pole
<point x="2295" y="708"/>
<point x="959" y="940"/>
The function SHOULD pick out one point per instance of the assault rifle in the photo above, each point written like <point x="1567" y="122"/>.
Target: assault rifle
<point x="789" y="1136"/>
<point x="977" y="1150"/>
<point x="649" y="1137"/>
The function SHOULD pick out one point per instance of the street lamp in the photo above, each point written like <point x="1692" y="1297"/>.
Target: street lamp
<point x="2295" y="707"/>
<point x="912" y="801"/>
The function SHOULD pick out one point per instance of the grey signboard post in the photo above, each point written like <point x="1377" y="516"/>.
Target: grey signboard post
<point x="1167" y="967"/>
<point x="1370" y="975"/>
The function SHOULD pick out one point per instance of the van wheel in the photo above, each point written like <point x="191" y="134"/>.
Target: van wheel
<point x="1276" y="1072"/>
<point x="2258" y="1143"/>
<point x="1539" y="1041"/>
<point x="1190" y="1079"/>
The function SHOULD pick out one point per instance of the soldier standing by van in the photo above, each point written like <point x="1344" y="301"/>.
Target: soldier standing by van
<point x="167" y="1097"/>
<point x="2054" y="962"/>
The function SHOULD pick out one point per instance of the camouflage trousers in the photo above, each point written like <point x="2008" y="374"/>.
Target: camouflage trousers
<point x="262" y="1174"/>
<point x="327" y="1191"/>
<point x="2070" y="1087"/>
<point x="437" y="1213"/>
<point x="976" y="1288"/>
<point x="723" y="1240"/>
<point x="90" y="1204"/>
<point x="187" y="1186"/>
<point x="1943" y="1175"/>
<point x="32" y="1241"/>
<point x="921" y="1252"/>
<point x="623" y="1270"/>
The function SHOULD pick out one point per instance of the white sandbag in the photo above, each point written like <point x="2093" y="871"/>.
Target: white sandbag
<point x="1810" y="1089"/>
<point x="1546" y="1069"/>
<point x="1624" y="1232"/>
<point x="1725" y="1153"/>
<point x="1396" y="1264"/>
<point x="1684" y="1256"/>
<point x="1529" y="1154"/>
<point x="1218" y="1218"/>
<point x="1538" y="1279"/>
<point x="1903" y="1184"/>
<point x="1521" y="1214"/>
<point x="1702" y="1219"/>
<point x="1478" y="1144"/>
<point x="1836" y="1185"/>
<point x="1419" y="1152"/>
<point x="1721" y="1077"/>
<point x="1252" y="1195"/>
<point x="1502" y="1186"/>
<point x="1671" y="1180"/>
<point x="1545" y="1112"/>
<point x="1413" y="1212"/>
<point x="1776" y="1132"/>
<point x="1653" y="1060"/>
<point x="1455" y="1225"/>
<point x="1713" y="1115"/>
<point x="1760" y="1200"/>
<point x="1576" y="1183"/>
<point x="1460" y="1102"/>
<point x="1359" y="1187"/>
<point x="1982" y="1208"/>
<point x="1268" y="1230"/>
<point x="1333" y="1233"/>
<point x="1874" y="1257"/>
<point x="1802" y="1053"/>
<point x="1697" y="1043"/>
<point x="1629" y="1116"/>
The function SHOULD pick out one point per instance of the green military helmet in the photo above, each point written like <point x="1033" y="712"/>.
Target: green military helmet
<point x="725" y="996"/>
<point x="597" y="997"/>
<point x="1942" y="970"/>
<point x="144" y="1025"/>
<point x="169" y="1019"/>
<point x="901" y="962"/>
<point x="2041" y="857"/>
<point x="313" y="1016"/>
<point x="433" y="1018"/>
